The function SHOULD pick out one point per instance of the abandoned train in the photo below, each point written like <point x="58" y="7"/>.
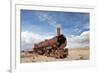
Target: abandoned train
<point x="54" y="47"/>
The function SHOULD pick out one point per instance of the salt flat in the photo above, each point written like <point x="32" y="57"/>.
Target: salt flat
<point x="74" y="54"/>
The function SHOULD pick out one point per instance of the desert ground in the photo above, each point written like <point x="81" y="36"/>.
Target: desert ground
<point x="74" y="54"/>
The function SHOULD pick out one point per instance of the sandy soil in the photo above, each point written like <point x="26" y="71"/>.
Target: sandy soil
<point x="74" y="54"/>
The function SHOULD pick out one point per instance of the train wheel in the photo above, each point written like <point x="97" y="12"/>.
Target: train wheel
<point x="40" y="52"/>
<point x="46" y="53"/>
<point x="60" y="54"/>
<point x="66" y="51"/>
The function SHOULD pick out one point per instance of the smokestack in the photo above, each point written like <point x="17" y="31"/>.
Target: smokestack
<point x="58" y="30"/>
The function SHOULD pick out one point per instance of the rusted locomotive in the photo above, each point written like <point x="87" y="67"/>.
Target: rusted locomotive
<point x="54" y="47"/>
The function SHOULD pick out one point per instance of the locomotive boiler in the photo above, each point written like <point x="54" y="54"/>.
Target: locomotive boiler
<point x="54" y="47"/>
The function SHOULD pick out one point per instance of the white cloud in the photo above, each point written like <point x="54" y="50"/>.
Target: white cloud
<point x="45" y="17"/>
<point x="28" y="39"/>
<point x="79" y="41"/>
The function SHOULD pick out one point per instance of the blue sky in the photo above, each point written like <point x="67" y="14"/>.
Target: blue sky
<point x="44" y="22"/>
<point x="37" y="26"/>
